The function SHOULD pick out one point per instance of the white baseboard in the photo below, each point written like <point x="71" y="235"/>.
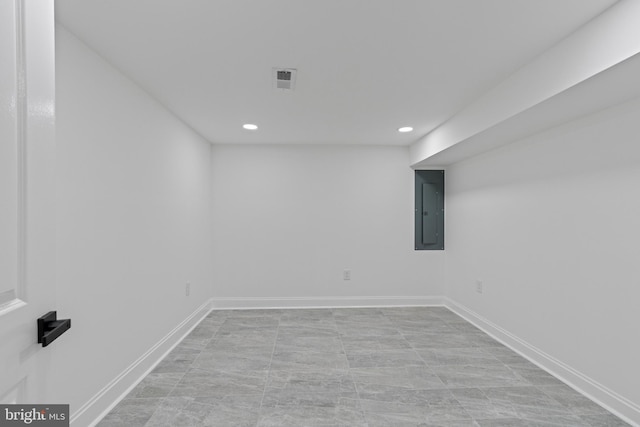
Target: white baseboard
<point x="325" y="302"/>
<point x="100" y="404"/>
<point x="608" y="399"/>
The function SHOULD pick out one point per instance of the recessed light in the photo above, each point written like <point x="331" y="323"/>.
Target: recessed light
<point x="405" y="129"/>
<point x="249" y="126"/>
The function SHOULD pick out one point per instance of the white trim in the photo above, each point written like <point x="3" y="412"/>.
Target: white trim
<point x="325" y="302"/>
<point x="100" y="404"/>
<point x="605" y="397"/>
<point x="21" y="146"/>
<point x="12" y="305"/>
<point x="17" y="293"/>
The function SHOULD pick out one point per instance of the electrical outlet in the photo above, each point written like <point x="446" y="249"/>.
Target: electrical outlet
<point x="346" y="275"/>
<point x="187" y="289"/>
<point x="479" y="286"/>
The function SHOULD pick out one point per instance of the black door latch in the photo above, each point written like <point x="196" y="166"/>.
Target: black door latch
<point x="50" y="328"/>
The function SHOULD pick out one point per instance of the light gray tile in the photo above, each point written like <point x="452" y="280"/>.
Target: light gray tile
<point x="131" y="413"/>
<point x="417" y="326"/>
<point x="192" y="343"/>
<point x="250" y="339"/>
<point x="386" y="358"/>
<point x="236" y="411"/>
<point x="439" y="310"/>
<point x="179" y="360"/>
<point x="199" y="383"/>
<point x="307" y="313"/>
<point x="314" y="360"/>
<point x="206" y="329"/>
<point x="481" y="406"/>
<point x="533" y="374"/>
<point x="522" y="395"/>
<point x="212" y="320"/>
<point x="411" y="312"/>
<point x="349" y="367"/>
<point x="464" y="327"/>
<point x="505" y="355"/>
<point x="461" y="423"/>
<point x="457" y="356"/>
<point x="603" y="420"/>
<point x="363" y="322"/>
<point x="445" y="313"/>
<point x="407" y="396"/>
<point x="323" y="414"/>
<point x="289" y="398"/>
<point x="240" y="411"/>
<point x="241" y="348"/>
<point x="480" y="339"/>
<point x="181" y="352"/>
<point x="455" y="321"/>
<point x="528" y="402"/>
<point x="307" y="382"/>
<point x="172" y="366"/>
<point x="376" y="420"/>
<point x="182" y="411"/>
<point x="202" y="333"/>
<point x="311" y="323"/>
<point x="419" y="406"/>
<point x="572" y="400"/>
<point x="248" y="324"/>
<point x="217" y="315"/>
<point x="374" y="343"/>
<point x="568" y="421"/>
<point x="366" y="329"/>
<point x="365" y="317"/>
<point x="235" y="330"/>
<point x="290" y="343"/>
<point x="478" y="376"/>
<point x="310" y="398"/>
<point x="308" y="331"/>
<point x="445" y="339"/>
<point x="231" y="360"/>
<point x="401" y="417"/>
<point x="310" y="316"/>
<point x="156" y="385"/>
<point x="412" y="377"/>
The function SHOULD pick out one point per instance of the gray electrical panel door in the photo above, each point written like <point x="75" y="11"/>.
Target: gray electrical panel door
<point x="430" y="198"/>
<point x="429" y="210"/>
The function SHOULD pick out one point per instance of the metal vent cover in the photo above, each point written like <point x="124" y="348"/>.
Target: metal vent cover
<point x="284" y="78"/>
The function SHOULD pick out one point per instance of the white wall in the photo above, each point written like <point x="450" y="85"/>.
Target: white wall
<point x="133" y="221"/>
<point x="289" y="219"/>
<point x="551" y="224"/>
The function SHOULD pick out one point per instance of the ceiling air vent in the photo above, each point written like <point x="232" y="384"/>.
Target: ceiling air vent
<point x="284" y="78"/>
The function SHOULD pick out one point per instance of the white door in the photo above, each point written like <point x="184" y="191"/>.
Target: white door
<point x="27" y="196"/>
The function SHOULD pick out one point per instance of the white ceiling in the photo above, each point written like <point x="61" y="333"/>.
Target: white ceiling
<point x="365" y="67"/>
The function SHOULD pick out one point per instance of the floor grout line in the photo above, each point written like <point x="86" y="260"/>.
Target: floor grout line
<point x="355" y="386"/>
<point x="266" y="382"/>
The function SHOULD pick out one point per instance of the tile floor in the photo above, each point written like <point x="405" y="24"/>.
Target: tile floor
<point x="355" y="367"/>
